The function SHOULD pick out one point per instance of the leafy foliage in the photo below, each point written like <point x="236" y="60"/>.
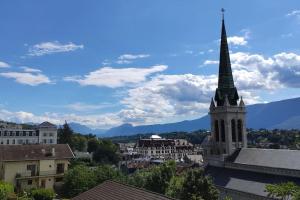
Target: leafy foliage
<point x="106" y="153"/>
<point x="81" y="178"/>
<point x="42" y="194"/>
<point x="65" y="134"/>
<point x="78" y="179"/>
<point x="5" y="190"/>
<point x="283" y="191"/>
<point x="196" y="186"/>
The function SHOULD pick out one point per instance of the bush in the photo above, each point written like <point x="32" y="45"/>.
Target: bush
<point x="42" y="194"/>
<point x="5" y="190"/>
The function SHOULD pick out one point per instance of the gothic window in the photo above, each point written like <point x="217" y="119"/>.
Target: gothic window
<point x="223" y="130"/>
<point x="217" y="130"/>
<point x="240" y="130"/>
<point x="233" y="133"/>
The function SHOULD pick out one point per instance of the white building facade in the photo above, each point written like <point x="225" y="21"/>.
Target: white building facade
<point x="15" y="134"/>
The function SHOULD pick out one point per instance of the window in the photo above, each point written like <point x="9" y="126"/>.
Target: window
<point x="24" y="133"/>
<point x="51" y="134"/>
<point x="13" y="141"/>
<point x="45" y="134"/>
<point x="17" y="133"/>
<point x="29" y="182"/>
<point x="7" y="141"/>
<point x="50" y="141"/>
<point x="233" y="133"/>
<point x="44" y="141"/>
<point x="240" y="130"/>
<point x="223" y="130"/>
<point x="30" y="133"/>
<point x="11" y="133"/>
<point x="5" y="133"/>
<point x="217" y="130"/>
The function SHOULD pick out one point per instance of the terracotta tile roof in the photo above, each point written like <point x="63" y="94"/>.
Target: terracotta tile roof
<point x="35" y="152"/>
<point x="110" y="190"/>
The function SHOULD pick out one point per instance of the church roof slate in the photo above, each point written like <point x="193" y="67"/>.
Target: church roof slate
<point x="275" y="158"/>
<point x="245" y="181"/>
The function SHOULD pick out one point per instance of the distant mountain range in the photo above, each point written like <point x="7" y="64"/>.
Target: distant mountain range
<point x="283" y="114"/>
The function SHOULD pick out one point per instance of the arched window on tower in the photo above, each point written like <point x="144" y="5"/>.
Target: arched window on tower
<point x="233" y="133"/>
<point x="240" y="130"/>
<point x="223" y="130"/>
<point x="217" y="130"/>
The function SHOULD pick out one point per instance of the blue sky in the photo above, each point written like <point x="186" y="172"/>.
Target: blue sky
<point x="104" y="63"/>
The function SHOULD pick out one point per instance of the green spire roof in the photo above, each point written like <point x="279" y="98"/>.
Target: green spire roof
<point x="225" y="82"/>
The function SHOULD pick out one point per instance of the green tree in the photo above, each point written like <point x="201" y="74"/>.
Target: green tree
<point x="106" y="153"/>
<point x="78" y="179"/>
<point x="5" y="190"/>
<point x="42" y="194"/>
<point x="106" y="172"/>
<point x="282" y="191"/>
<point x="93" y="145"/>
<point x="175" y="186"/>
<point x="79" y="142"/>
<point x="198" y="186"/>
<point x="65" y="134"/>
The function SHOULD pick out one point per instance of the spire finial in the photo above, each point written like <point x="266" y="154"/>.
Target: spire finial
<point x="223" y="11"/>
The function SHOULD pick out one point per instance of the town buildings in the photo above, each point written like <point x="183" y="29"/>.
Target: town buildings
<point x="240" y="172"/>
<point x="36" y="165"/>
<point x="165" y="149"/>
<point x="15" y="134"/>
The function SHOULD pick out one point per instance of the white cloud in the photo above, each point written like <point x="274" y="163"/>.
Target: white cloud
<point x="132" y="56"/>
<point x="116" y="77"/>
<point x="31" y="70"/>
<point x="210" y="62"/>
<point x="237" y="40"/>
<point x="52" y="47"/>
<point x="78" y="106"/>
<point x="294" y="13"/>
<point x="4" y="65"/>
<point x="30" y="76"/>
<point x="93" y="121"/>
<point x="128" y="58"/>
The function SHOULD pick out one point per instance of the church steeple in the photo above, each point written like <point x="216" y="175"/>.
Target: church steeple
<point x="225" y="82"/>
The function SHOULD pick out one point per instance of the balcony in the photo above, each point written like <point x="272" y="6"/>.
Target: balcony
<point x="30" y="174"/>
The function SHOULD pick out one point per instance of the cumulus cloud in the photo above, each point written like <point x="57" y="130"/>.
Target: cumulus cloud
<point x="4" y="65"/>
<point x="128" y="58"/>
<point x="116" y="77"/>
<point x="78" y="106"/>
<point x="30" y="76"/>
<point x="237" y="40"/>
<point x="93" y="121"/>
<point x="293" y="13"/>
<point x="279" y="70"/>
<point x="210" y="62"/>
<point x="45" y="48"/>
<point x="31" y="70"/>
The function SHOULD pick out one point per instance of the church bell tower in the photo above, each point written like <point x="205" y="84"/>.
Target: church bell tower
<point x="227" y="113"/>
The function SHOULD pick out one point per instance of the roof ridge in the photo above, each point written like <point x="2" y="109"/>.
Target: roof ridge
<point x="125" y="184"/>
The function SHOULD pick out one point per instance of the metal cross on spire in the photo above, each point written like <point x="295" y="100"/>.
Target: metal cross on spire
<point x="223" y="11"/>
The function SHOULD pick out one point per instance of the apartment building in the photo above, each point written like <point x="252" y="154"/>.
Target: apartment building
<point x="16" y="134"/>
<point x="32" y="166"/>
<point x="157" y="147"/>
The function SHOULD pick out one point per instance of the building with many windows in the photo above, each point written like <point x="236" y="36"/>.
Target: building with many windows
<point x="14" y="134"/>
<point x="32" y="166"/>
<point x="161" y="148"/>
